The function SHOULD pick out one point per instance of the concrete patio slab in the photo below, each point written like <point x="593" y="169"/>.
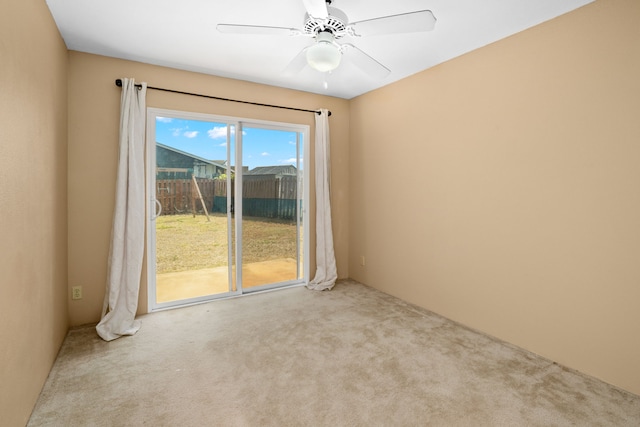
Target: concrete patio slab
<point x="212" y="281"/>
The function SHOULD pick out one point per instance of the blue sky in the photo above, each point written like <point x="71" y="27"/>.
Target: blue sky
<point x="261" y="147"/>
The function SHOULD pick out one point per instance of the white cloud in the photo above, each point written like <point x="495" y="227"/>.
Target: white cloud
<point x="191" y="134"/>
<point x="218" y="132"/>
<point x="291" y="161"/>
<point x="164" y="119"/>
<point x="224" y="144"/>
<point x="176" y="131"/>
<point x="265" y="154"/>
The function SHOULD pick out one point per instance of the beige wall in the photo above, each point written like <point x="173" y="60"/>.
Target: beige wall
<point x="502" y="190"/>
<point x="33" y="201"/>
<point x="93" y="137"/>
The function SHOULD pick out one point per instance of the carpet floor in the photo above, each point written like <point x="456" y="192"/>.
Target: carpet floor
<point x="349" y="357"/>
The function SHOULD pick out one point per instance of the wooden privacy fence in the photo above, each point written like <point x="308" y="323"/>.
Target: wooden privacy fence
<point x="180" y="196"/>
<point x="261" y="197"/>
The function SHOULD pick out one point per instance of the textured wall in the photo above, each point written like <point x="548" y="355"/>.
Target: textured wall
<point x="33" y="203"/>
<point x="502" y="190"/>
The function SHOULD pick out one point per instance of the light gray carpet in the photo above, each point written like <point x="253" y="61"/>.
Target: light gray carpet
<point x="349" y="357"/>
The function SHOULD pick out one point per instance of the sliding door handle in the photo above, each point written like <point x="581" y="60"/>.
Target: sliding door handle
<point x="158" y="210"/>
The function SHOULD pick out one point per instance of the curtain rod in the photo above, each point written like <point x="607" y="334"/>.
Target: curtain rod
<point x="119" y="84"/>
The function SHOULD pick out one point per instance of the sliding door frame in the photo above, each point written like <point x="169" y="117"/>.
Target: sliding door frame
<point x="302" y="131"/>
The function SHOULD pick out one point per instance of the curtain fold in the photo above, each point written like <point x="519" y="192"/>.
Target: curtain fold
<point x="127" y="233"/>
<point x="326" y="271"/>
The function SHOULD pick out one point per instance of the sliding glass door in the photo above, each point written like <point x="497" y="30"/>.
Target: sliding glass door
<point x="227" y="203"/>
<point x="272" y="196"/>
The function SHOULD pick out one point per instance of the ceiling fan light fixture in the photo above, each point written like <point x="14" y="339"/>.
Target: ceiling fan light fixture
<point x="324" y="56"/>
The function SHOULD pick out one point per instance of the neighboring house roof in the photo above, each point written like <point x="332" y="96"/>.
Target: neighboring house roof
<point x="273" y="170"/>
<point x="200" y="159"/>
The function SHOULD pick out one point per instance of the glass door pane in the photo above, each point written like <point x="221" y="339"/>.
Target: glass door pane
<point x="194" y="199"/>
<point x="271" y="207"/>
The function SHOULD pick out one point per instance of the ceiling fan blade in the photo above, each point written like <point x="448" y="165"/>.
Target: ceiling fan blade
<point x="411" y="22"/>
<point x="257" y="30"/>
<point x="297" y="64"/>
<point x="316" y="8"/>
<point x="366" y="63"/>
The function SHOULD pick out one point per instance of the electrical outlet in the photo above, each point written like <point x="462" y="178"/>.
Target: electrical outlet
<point x="76" y="292"/>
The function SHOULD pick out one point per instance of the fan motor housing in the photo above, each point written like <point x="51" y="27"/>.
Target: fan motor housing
<point x="336" y="23"/>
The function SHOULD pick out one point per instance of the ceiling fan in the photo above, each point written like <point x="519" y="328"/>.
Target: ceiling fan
<point x="328" y="26"/>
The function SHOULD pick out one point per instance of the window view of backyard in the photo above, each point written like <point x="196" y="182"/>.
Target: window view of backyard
<point x="193" y="193"/>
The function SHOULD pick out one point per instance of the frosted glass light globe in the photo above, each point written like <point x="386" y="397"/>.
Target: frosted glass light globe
<point x="324" y="55"/>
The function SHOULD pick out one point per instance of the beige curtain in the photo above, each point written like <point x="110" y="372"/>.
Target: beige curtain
<point x="326" y="271"/>
<point x="127" y="233"/>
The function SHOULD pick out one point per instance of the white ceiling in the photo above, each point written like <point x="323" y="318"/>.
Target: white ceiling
<point x="182" y="34"/>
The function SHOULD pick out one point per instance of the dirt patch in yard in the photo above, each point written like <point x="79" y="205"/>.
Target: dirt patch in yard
<point x="187" y="243"/>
